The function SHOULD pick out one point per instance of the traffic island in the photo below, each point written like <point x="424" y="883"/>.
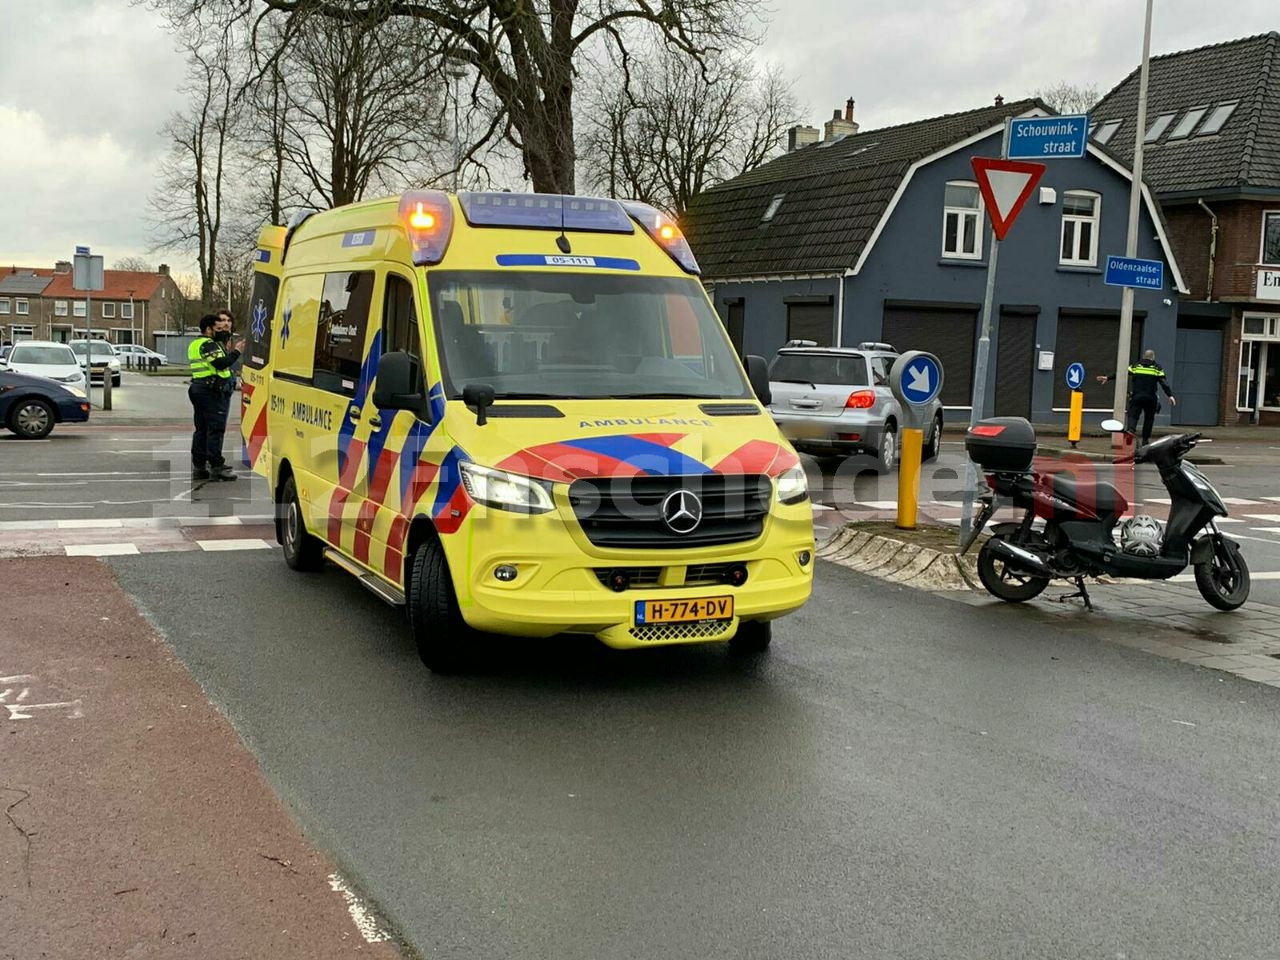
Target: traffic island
<point x="924" y="558"/>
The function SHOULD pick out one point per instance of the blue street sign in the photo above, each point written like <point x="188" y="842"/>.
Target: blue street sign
<point x="921" y="379"/>
<point x="1048" y="138"/>
<point x="1131" y="272"/>
<point x="1075" y="376"/>
<point x="82" y="251"/>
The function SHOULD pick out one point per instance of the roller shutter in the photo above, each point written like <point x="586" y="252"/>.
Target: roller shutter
<point x="948" y="333"/>
<point x="1091" y="340"/>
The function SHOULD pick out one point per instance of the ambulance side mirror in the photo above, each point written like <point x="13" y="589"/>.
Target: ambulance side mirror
<point x="758" y="374"/>
<point x="399" y="384"/>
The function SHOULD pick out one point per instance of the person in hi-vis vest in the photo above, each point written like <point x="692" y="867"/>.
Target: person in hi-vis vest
<point x="210" y="393"/>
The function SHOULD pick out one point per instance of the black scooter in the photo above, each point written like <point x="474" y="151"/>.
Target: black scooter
<point x="1079" y="535"/>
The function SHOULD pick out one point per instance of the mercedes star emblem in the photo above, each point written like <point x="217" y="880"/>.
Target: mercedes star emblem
<point x="682" y="511"/>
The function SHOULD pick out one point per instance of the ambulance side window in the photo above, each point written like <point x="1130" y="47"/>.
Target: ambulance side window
<point x="399" y="318"/>
<point x="341" y="328"/>
<point x="262" y="307"/>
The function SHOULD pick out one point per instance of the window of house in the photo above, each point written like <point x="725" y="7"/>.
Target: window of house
<point x="60" y="308"/>
<point x="772" y="209"/>
<point x="109" y="311"/>
<point x="962" y="221"/>
<point x="78" y="308"/>
<point x="126" y="311"/>
<point x="1080" y="227"/>
<point x="1106" y="130"/>
<point x="1271" y="238"/>
<point x="21" y="307"/>
<point x="1221" y="114"/>
<point x="1158" y="127"/>
<point x="21" y="332"/>
<point x="344" y="317"/>
<point x="1187" y="123"/>
<point x="4" y="305"/>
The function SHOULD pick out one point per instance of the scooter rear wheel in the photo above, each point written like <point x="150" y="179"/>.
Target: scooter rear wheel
<point x="1221" y="586"/>
<point x="1003" y="582"/>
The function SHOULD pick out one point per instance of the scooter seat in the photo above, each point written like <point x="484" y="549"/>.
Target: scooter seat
<point x="1097" y="496"/>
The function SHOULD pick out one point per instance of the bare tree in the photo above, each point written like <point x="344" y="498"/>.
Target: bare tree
<point x="678" y="127"/>
<point x="188" y="207"/>
<point x="1068" y="97"/>
<point x="134" y="265"/>
<point x="527" y="52"/>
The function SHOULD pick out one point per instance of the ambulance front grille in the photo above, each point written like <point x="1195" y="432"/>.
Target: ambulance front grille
<point x="667" y="632"/>
<point x="626" y="512"/>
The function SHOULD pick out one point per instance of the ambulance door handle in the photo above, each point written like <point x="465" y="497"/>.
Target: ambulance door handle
<point x="376" y="422"/>
<point x="353" y="414"/>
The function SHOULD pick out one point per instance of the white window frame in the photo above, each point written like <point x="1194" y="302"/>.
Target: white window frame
<point x="23" y="331"/>
<point x="962" y="213"/>
<point x="126" y="311"/>
<point x="4" y="306"/>
<point x="1262" y="240"/>
<point x="1158" y="127"/>
<point x="78" y="308"/>
<point x="21" y="307"/>
<point x="59" y="308"/>
<point x="108" y="310"/>
<point x="1073" y="220"/>
<point x="1188" y="122"/>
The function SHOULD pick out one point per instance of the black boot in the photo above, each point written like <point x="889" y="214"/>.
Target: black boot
<point x="198" y="474"/>
<point x="222" y="472"/>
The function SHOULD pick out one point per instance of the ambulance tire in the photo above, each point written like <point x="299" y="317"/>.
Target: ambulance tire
<point x="753" y="638"/>
<point x="302" y="551"/>
<point x="438" y="628"/>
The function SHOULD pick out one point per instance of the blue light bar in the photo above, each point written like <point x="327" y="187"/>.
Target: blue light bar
<point x="545" y="211"/>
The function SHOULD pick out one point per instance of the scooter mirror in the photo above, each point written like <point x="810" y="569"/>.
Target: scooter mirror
<point x="1113" y="426"/>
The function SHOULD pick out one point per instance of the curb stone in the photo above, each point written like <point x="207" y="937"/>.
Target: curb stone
<point x="908" y="564"/>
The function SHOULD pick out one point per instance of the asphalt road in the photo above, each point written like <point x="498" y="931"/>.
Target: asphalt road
<point x="902" y="777"/>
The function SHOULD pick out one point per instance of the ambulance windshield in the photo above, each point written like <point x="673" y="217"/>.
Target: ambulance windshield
<point x="581" y="336"/>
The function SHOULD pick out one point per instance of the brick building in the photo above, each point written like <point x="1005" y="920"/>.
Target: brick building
<point x="1212" y="154"/>
<point x="134" y="307"/>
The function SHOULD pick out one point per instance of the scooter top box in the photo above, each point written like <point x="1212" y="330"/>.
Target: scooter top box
<point x="1001" y="444"/>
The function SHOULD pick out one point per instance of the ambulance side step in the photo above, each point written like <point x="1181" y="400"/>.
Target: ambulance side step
<point x="375" y="584"/>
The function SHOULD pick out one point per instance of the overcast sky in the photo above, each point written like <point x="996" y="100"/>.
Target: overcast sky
<point x="86" y="84"/>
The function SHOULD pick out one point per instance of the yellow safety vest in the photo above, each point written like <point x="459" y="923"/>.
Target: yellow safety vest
<point x="201" y="367"/>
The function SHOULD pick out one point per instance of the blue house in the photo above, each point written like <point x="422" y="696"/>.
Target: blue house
<point x="882" y="236"/>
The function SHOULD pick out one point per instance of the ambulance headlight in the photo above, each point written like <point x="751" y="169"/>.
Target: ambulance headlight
<point x="505" y="491"/>
<point x="793" y="486"/>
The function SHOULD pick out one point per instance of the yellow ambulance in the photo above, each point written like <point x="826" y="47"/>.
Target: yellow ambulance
<point x="520" y="414"/>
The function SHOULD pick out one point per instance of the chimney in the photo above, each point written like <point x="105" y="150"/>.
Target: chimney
<point x="999" y="100"/>
<point x="801" y="136"/>
<point x="163" y="270"/>
<point x="62" y="266"/>
<point x="841" y="126"/>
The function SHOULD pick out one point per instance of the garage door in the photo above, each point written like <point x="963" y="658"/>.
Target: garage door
<point x="1014" y="364"/>
<point x="949" y="334"/>
<point x="1090" y="340"/>
<point x="1197" y="376"/>
<point x="811" y="321"/>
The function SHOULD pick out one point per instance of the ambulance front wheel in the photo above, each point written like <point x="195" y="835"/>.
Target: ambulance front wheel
<point x="302" y="551"/>
<point x="438" y="628"/>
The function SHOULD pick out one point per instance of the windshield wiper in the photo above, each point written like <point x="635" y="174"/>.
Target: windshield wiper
<point x="663" y="396"/>
<point x="809" y="383"/>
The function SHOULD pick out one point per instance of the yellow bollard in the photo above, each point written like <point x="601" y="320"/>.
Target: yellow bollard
<point x="1076" y="417"/>
<point x="909" y="478"/>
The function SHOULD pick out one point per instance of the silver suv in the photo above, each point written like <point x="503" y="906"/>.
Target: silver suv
<point x="836" y="401"/>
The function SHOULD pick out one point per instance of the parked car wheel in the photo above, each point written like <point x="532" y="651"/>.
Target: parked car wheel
<point x="32" y="419"/>
<point x="934" y="443"/>
<point x="888" y="448"/>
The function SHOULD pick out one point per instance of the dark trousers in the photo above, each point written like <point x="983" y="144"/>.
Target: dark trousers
<point x="1145" y="407"/>
<point x="210" y="404"/>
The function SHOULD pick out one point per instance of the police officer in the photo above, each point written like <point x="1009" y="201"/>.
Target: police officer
<point x="210" y="394"/>
<point x="1145" y="377"/>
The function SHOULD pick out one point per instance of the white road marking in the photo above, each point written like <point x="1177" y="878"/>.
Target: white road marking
<point x="217" y="546"/>
<point x="364" y="920"/>
<point x="88" y="524"/>
<point x="1264" y="517"/>
<point x="101" y="549"/>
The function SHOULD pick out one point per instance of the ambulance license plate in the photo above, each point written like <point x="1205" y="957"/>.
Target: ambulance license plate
<point x="701" y="610"/>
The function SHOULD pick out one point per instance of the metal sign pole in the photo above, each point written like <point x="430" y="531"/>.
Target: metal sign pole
<point x="980" y="365"/>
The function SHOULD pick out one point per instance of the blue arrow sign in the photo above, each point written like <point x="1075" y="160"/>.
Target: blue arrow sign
<point x="1075" y="376"/>
<point x="921" y="380"/>
<point x="1131" y="272"/>
<point x="1048" y="138"/>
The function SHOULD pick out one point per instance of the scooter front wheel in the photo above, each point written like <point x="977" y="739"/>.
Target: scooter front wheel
<point x="1224" y="580"/>
<point x="1002" y="581"/>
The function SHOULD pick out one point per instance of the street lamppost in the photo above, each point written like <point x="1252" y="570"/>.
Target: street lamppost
<point x="458" y="73"/>
<point x="133" y="326"/>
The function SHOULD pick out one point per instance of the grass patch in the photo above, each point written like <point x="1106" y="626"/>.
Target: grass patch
<point x="934" y="536"/>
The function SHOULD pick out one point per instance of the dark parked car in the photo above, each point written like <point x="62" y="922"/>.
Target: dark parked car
<point x="30" y="406"/>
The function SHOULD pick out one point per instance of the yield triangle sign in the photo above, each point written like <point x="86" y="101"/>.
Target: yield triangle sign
<point x="1005" y="187"/>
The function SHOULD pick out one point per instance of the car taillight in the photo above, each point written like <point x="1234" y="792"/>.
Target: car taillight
<point x="861" y="400"/>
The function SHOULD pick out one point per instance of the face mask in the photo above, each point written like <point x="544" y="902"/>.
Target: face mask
<point x="222" y="336"/>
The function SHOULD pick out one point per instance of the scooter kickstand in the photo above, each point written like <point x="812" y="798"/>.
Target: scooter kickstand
<point x="1082" y="592"/>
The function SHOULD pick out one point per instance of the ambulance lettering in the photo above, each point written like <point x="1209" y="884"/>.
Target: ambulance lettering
<point x="312" y="416"/>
